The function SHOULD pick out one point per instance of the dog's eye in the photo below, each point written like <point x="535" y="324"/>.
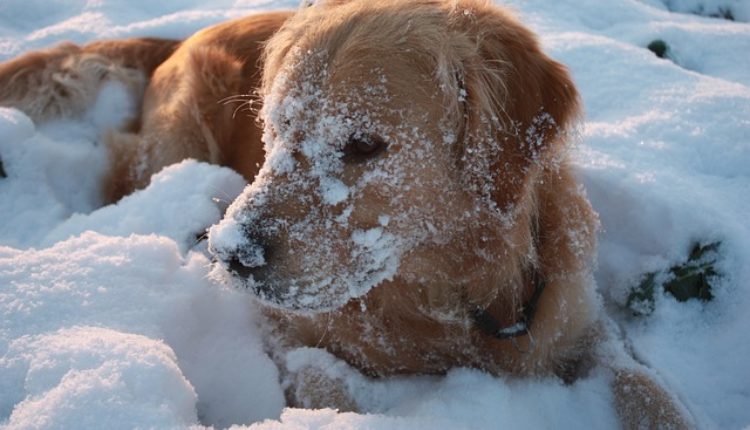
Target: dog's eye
<point x="360" y="147"/>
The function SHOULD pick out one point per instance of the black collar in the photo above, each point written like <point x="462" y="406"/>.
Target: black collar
<point x="490" y="326"/>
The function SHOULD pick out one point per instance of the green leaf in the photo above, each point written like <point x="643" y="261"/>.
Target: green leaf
<point x="659" y="47"/>
<point x="692" y="279"/>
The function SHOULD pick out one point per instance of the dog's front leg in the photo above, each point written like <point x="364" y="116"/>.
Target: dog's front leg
<point x="312" y="378"/>
<point x="642" y="403"/>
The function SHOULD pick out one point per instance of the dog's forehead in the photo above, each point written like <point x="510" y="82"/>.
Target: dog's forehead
<point x="319" y="103"/>
<point x="318" y="85"/>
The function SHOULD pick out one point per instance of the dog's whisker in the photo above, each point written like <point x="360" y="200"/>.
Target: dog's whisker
<point x="237" y="109"/>
<point x="234" y="98"/>
<point x="198" y="238"/>
<point x="329" y="324"/>
<point x="252" y="111"/>
<point x="221" y="196"/>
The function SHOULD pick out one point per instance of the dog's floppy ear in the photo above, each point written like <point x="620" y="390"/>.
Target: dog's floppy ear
<point x="518" y="103"/>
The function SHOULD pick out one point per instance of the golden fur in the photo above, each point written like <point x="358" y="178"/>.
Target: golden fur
<point x="63" y="81"/>
<point x="190" y="108"/>
<point x="496" y="206"/>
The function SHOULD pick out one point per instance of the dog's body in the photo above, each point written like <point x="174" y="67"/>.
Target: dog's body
<point x="189" y="95"/>
<point x="192" y="101"/>
<point x="413" y="210"/>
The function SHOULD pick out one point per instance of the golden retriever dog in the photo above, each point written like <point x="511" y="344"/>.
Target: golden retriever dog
<point x="412" y="208"/>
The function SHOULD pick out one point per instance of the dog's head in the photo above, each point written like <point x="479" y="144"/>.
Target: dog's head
<point x="403" y="143"/>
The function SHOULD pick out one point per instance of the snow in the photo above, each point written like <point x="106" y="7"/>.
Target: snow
<point x="110" y="317"/>
<point x="187" y="187"/>
<point x="73" y="377"/>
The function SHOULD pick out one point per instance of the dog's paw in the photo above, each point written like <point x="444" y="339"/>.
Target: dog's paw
<point x="314" y="389"/>
<point x="315" y="380"/>
<point x="642" y="403"/>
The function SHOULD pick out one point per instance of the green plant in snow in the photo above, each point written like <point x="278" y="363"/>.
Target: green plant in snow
<point x="692" y="279"/>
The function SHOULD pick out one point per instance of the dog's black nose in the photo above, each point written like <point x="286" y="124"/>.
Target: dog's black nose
<point x="253" y="259"/>
<point x="239" y="269"/>
<point x="258" y="274"/>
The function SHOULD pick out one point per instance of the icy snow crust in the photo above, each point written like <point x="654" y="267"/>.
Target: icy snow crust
<point x="108" y="318"/>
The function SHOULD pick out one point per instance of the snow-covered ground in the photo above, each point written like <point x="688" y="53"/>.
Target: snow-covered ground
<point x="108" y="318"/>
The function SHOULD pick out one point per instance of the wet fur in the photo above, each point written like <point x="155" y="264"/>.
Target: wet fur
<point x="188" y="111"/>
